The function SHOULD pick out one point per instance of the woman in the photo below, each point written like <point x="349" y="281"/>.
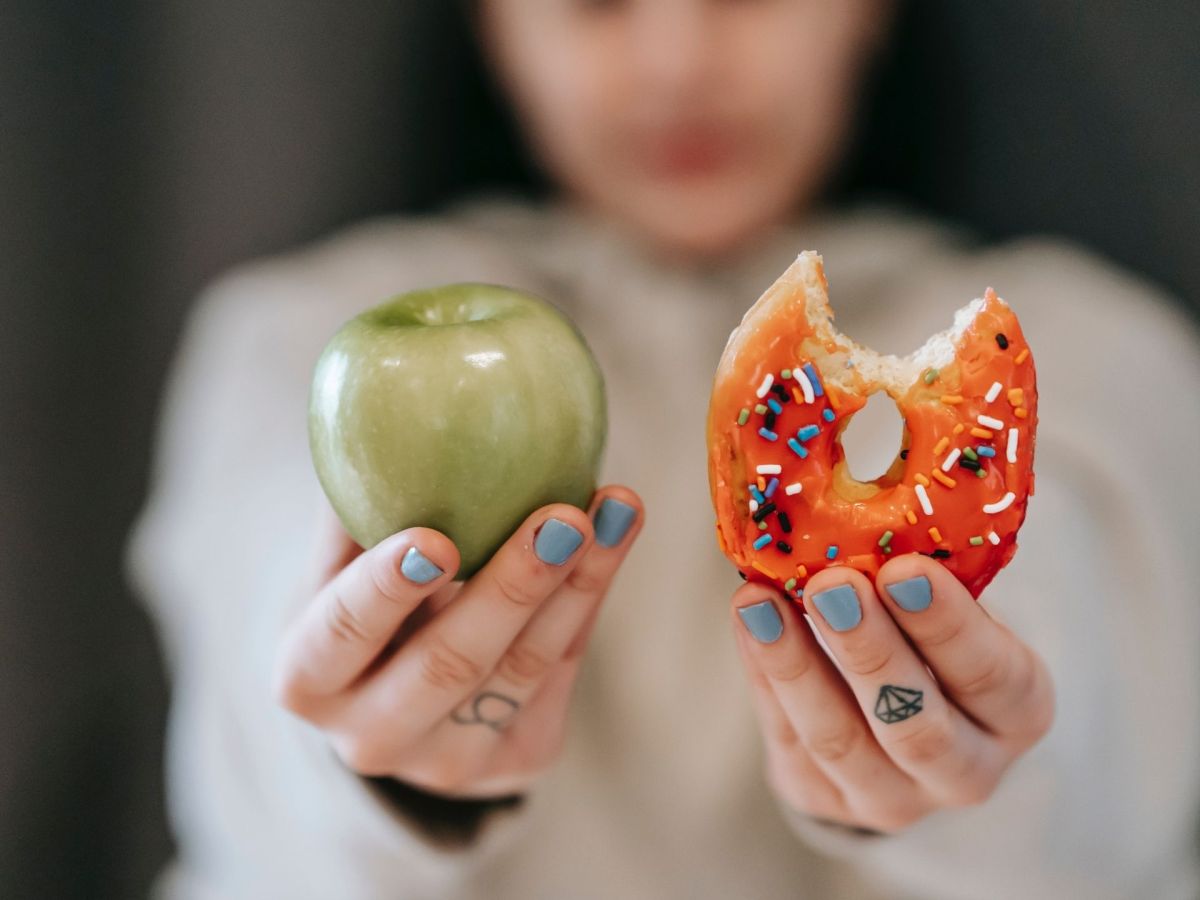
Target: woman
<point x="351" y="724"/>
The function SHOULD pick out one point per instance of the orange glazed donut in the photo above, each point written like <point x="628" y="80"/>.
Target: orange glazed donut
<point x="788" y="384"/>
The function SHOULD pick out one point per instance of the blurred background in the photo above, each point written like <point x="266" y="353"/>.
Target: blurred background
<point x="145" y="146"/>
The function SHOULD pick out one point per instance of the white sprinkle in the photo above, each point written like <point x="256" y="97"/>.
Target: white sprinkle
<point x="805" y="385"/>
<point x="923" y="496"/>
<point x="993" y="392"/>
<point x="753" y="505"/>
<point x="986" y="421"/>
<point x="770" y="469"/>
<point x="793" y="489"/>
<point x="1012" y="445"/>
<point x="951" y="459"/>
<point x="765" y="386"/>
<point x="993" y="538"/>
<point x="1000" y="505"/>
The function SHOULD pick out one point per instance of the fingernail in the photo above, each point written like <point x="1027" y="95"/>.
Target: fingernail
<point x="416" y="567"/>
<point x="839" y="607"/>
<point x="912" y="594"/>
<point x="556" y="541"/>
<point x="762" y="621"/>
<point x="613" y="519"/>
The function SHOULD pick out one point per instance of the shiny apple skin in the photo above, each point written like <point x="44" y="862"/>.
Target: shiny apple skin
<point x="462" y="408"/>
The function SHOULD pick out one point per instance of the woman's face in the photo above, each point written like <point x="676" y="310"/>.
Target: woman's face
<point x="695" y="122"/>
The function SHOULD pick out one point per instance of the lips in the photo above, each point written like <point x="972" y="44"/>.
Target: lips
<point x="689" y="151"/>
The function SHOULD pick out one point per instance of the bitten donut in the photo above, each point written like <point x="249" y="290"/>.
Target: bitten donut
<point x="786" y="387"/>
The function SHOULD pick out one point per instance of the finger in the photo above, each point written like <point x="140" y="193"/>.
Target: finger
<point x="922" y="732"/>
<point x="995" y="677"/>
<point x="333" y="548"/>
<point x="616" y="513"/>
<point x="355" y="614"/>
<point x="448" y="659"/>
<point x="820" y="709"/>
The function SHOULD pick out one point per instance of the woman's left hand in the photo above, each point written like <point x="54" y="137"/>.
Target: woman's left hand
<point x="883" y="742"/>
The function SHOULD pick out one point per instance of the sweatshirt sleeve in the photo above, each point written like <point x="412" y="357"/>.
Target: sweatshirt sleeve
<point x="1104" y="587"/>
<point x="221" y="556"/>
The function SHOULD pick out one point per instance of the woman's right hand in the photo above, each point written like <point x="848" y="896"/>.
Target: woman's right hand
<point x="457" y="689"/>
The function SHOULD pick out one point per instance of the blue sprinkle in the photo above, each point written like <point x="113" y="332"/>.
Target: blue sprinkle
<point x="769" y="435"/>
<point x="985" y="451"/>
<point x="812" y="376"/>
<point x="771" y="487"/>
<point x="757" y="495"/>
<point x="762" y="541"/>
<point x="800" y="593"/>
<point x="831" y="553"/>
<point x="828" y="414"/>
<point x="775" y="407"/>
<point x="808" y="432"/>
<point x="797" y="448"/>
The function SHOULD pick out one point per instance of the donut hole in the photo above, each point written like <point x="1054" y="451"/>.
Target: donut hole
<point x="872" y="439"/>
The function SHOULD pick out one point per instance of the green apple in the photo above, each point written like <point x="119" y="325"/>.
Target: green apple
<point x="462" y="408"/>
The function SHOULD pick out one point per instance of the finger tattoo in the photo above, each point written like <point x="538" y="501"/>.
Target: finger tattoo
<point x="487" y="708"/>
<point x="895" y="704"/>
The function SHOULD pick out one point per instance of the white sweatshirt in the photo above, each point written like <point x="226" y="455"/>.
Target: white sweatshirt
<point x="660" y="792"/>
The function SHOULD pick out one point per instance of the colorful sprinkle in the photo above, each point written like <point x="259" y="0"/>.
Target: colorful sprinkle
<point x="943" y="478"/>
<point x="805" y="386"/>
<point x="952" y="399"/>
<point x="1022" y="356"/>
<point x="765" y="510"/>
<point x="985" y="451"/>
<point x="923" y="497"/>
<point x="753" y="506"/>
<point x="911" y="516"/>
<point x="1000" y="505"/>
<point x="935" y="534"/>
<point x="775" y="405"/>
<point x="989" y="422"/>
<point x="757" y="494"/>
<point x="1002" y="341"/>
<point x="769" y="469"/>
<point x="762" y="541"/>
<point x="975" y="540"/>
<point x="756" y="564"/>
<point x="921" y="479"/>
<point x="833" y="401"/>
<point x="1012" y="445"/>
<point x="784" y="546"/>
<point x="769" y="435"/>
<point x="993" y="538"/>
<point x="780" y="391"/>
<point x="970" y="454"/>
<point x="808" y="432"/>
<point x="814" y="379"/>
<point x="785" y="524"/>
<point x="1016" y="396"/>
<point x="971" y="465"/>
<point x="765" y="386"/>
<point x="940" y="446"/>
<point x="982" y="434"/>
<point x="832" y="552"/>
<point x="801" y="571"/>
<point x="958" y="429"/>
<point x="794" y="488"/>
<point x="993" y="391"/>
<point x="760" y="408"/>
<point x="951" y="459"/>
<point x="769" y="420"/>
<point x="772" y="485"/>
<point x="827" y="414"/>
<point x="940" y="553"/>
<point x="785" y="374"/>
<point x="1021" y="413"/>
<point x="762" y="483"/>
<point x="797" y="448"/>
<point x="789" y="584"/>
<point x="885" y="539"/>
<point x="743" y="416"/>
<point x="980" y="473"/>
<point x="931" y="376"/>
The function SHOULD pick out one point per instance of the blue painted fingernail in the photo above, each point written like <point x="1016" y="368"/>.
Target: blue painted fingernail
<point x="556" y="541"/>
<point x="416" y="567"/>
<point x="762" y="621"/>
<point x="913" y="594"/>
<point x="839" y="607"/>
<point x="613" y="519"/>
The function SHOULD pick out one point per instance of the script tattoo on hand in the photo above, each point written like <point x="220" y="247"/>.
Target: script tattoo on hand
<point x="895" y="704"/>
<point x="487" y="708"/>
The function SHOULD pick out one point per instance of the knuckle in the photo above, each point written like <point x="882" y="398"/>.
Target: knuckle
<point x="520" y="592"/>
<point x="834" y="745"/>
<point x="587" y="579"/>
<point x="991" y="674"/>
<point x="445" y="668"/>
<point x="342" y="622"/>
<point x="790" y="669"/>
<point x="927" y="742"/>
<point x="871" y="659"/>
<point x="523" y="666"/>
<point x="947" y="632"/>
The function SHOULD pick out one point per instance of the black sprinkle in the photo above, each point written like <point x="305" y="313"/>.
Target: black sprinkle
<point x="785" y="547"/>
<point x="785" y="523"/>
<point x="779" y="391"/>
<point x="741" y="575"/>
<point x="969" y="464"/>
<point x="762" y="512"/>
<point x="940" y="554"/>
<point x="904" y="454"/>
<point x="769" y="417"/>
<point x="1002" y="341"/>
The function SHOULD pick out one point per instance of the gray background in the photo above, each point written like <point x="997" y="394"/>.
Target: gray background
<point x="144" y="146"/>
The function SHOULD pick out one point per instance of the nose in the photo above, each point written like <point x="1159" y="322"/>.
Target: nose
<point x="672" y="52"/>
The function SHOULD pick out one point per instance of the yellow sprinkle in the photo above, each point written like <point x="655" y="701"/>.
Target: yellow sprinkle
<point x="801" y="572"/>
<point x="958" y="429"/>
<point x="982" y="433"/>
<point x="922" y="480"/>
<point x="1022" y="356"/>
<point x="796" y="394"/>
<point x="940" y="446"/>
<point x="833" y="403"/>
<point x="756" y="564"/>
<point x="1021" y="413"/>
<point x="943" y="478"/>
<point x="1016" y="396"/>
<point x="762" y="483"/>
<point x="952" y="398"/>
<point x="935" y="534"/>
<point x="911" y="516"/>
